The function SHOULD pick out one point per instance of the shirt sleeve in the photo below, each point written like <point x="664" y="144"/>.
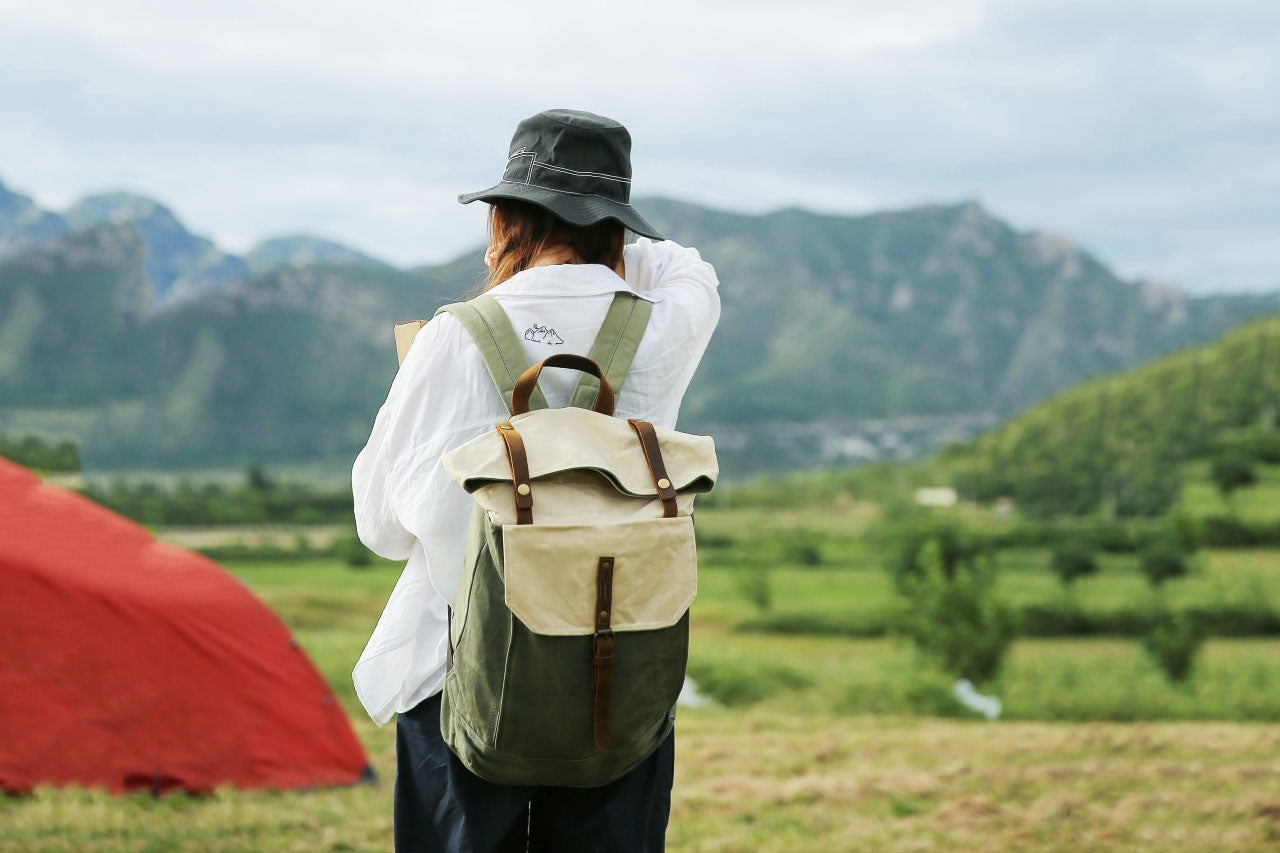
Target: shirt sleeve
<point x="689" y="293"/>
<point x="401" y="492"/>
<point x="666" y="268"/>
<point x="377" y="524"/>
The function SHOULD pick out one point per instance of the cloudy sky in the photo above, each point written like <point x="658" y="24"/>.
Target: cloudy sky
<point x="1150" y="132"/>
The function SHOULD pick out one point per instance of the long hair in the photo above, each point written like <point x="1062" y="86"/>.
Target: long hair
<point x="520" y="231"/>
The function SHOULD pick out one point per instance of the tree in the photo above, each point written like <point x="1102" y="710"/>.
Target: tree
<point x="756" y="585"/>
<point x="1072" y="560"/>
<point x="1163" y="560"/>
<point x="1173" y="642"/>
<point x="1230" y="472"/>
<point x="257" y="478"/>
<point x="954" y="617"/>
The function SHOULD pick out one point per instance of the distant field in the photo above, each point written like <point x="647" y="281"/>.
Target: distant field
<point x="814" y="753"/>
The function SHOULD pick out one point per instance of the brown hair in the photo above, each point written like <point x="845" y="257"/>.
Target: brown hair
<point x="521" y="231"/>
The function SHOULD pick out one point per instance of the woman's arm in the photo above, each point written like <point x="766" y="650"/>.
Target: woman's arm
<point x="440" y="398"/>
<point x="689" y="292"/>
<point x="377" y="524"/>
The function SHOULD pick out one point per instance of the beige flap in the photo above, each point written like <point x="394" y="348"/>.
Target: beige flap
<point x="570" y="497"/>
<point x="576" y="438"/>
<point x="550" y="573"/>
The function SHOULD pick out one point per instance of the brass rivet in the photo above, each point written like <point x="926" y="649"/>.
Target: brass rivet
<point x="664" y="483"/>
<point x="504" y="425"/>
<point x="523" y="488"/>
<point x="604" y="615"/>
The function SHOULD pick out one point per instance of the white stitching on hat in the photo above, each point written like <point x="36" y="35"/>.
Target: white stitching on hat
<point x="534" y="161"/>
<point x="584" y="174"/>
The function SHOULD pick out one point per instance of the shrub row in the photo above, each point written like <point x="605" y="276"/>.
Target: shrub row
<point x="32" y="451"/>
<point x="1040" y="620"/>
<point x="347" y="548"/>
<point x="1223" y="531"/>
<point x="213" y="504"/>
<point x="1116" y="537"/>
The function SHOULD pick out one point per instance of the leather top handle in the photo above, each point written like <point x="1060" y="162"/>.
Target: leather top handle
<point x="525" y="384"/>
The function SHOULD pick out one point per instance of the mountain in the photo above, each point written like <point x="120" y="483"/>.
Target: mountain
<point x="845" y="338"/>
<point x="71" y="313"/>
<point x="23" y="224"/>
<point x="302" y="250"/>
<point x="464" y="272"/>
<point x="179" y="264"/>
<point x="1117" y="444"/>
<point x="934" y="309"/>
<point x="286" y="366"/>
<point x="841" y="338"/>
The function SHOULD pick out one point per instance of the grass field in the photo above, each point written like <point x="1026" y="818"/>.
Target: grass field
<point x="814" y="748"/>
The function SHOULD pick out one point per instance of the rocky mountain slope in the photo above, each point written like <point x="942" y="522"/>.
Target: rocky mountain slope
<point x="841" y="338"/>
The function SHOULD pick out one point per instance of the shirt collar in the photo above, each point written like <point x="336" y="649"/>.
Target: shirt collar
<point x="567" y="280"/>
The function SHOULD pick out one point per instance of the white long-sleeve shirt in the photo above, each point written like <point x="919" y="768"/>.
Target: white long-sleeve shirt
<point x="406" y="507"/>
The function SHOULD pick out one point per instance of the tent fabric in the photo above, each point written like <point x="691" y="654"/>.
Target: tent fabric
<point x="131" y="664"/>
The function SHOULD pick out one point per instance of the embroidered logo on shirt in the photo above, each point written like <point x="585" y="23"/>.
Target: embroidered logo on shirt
<point x="542" y="335"/>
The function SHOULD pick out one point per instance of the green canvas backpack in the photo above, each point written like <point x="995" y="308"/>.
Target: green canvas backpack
<point x="569" y="635"/>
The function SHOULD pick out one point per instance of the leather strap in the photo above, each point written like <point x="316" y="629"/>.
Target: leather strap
<point x="528" y="382"/>
<point x="653" y="456"/>
<point x="448" y="656"/>
<point x="615" y="345"/>
<point x="602" y="656"/>
<point x="519" y="462"/>
<point x="499" y="346"/>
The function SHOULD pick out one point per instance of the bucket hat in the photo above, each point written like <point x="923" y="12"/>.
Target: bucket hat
<point x="575" y="164"/>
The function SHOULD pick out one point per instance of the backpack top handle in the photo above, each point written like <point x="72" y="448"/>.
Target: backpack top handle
<point x="525" y="384"/>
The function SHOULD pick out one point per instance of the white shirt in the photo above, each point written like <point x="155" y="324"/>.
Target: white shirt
<point x="407" y="508"/>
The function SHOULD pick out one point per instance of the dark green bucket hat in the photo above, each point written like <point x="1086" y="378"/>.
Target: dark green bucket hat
<point x="575" y="164"/>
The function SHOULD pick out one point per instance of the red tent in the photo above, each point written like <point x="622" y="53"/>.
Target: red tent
<point x="130" y="664"/>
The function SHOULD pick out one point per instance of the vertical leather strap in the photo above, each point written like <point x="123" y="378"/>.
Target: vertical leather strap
<point x="519" y="462"/>
<point x="653" y="456"/>
<point x="602" y="657"/>
<point x="448" y="656"/>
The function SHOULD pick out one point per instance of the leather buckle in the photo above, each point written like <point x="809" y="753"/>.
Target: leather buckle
<point x="604" y="644"/>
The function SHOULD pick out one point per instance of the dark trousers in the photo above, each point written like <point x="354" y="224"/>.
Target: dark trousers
<point x="440" y="805"/>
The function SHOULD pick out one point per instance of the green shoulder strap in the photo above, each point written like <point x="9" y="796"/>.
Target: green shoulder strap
<point x="487" y="323"/>
<point x="615" y="345"/>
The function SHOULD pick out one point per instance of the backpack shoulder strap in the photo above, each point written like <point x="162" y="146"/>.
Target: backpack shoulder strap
<point x="615" y="345"/>
<point x="489" y="327"/>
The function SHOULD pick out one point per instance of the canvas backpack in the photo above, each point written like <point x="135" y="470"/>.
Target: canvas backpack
<point x="569" y="635"/>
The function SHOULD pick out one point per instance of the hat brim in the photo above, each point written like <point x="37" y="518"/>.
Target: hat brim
<point x="572" y="208"/>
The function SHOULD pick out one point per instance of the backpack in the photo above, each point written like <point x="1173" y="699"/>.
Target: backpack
<point x="569" y="636"/>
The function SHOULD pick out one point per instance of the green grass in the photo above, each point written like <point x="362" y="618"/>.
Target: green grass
<point x="821" y="748"/>
<point x="1079" y="679"/>
<point x="857" y="599"/>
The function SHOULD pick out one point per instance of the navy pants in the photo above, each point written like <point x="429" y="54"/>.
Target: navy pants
<point x="440" y="805"/>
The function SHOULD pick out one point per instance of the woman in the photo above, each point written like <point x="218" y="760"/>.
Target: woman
<point x="557" y="225"/>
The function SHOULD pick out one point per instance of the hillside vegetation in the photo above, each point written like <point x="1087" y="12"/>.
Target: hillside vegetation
<point x="842" y="338"/>
<point x="1118" y="445"/>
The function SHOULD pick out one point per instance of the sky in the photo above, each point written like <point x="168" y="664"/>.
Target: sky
<point x="1147" y="131"/>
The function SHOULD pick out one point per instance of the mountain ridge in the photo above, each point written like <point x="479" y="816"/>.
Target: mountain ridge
<point x="841" y="338"/>
<point x="179" y="263"/>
